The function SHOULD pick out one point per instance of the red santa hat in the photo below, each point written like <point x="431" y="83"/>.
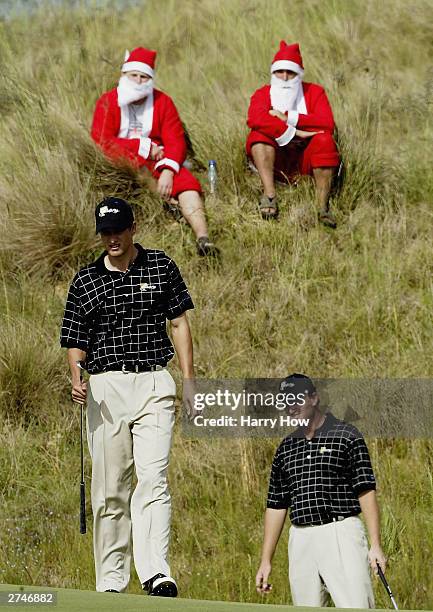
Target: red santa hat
<point x="140" y="59"/>
<point x="288" y="57"/>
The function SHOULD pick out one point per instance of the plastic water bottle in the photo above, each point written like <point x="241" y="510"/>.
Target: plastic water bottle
<point x="212" y="176"/>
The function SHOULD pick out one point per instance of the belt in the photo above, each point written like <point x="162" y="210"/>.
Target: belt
<point x="135" y="368"/>
<point x="326" y="521"/>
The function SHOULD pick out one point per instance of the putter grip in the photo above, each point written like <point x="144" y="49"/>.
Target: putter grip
<point x="82" y="508"/>
<point x="381" y="575"/>
<point x="384" y="580"/>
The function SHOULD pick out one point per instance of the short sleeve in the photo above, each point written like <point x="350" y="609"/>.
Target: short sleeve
<point x="178" y="297"/>
<point x="360" y="469"/>
<point x="73" y="333"/>
<point x="278" y="493"/>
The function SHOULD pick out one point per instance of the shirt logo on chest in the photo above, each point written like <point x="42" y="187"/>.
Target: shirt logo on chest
<point x="146" y="286"/>
<point x="323" y="450"/>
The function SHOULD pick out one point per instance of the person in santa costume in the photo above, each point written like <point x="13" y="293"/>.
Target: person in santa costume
<point x="141" y="124"/>
<point x="291" y="133"/>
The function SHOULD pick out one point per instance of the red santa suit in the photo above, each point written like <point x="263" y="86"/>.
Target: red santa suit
<point x="161" y="125"/>
<point x="311" y="112"/>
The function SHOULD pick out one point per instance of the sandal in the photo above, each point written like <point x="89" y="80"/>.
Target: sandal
<point x="271" y="205"/>
<point x="327" y="218"/>
<point x="206" y="247"/>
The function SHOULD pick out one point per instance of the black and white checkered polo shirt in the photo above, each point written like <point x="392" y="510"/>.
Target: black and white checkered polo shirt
<point x="321" y="478"/>
<point x="119" y="318"/>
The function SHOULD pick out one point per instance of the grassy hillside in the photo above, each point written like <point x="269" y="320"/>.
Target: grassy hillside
<point x="288" y="296"/>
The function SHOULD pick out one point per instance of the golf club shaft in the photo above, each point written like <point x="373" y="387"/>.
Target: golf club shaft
<point x="386" y="585"/>
<point x="82" y="485"/>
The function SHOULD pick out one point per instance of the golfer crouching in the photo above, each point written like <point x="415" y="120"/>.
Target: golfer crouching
<point x="323" y="473"/>
<point x="115" y="321"/>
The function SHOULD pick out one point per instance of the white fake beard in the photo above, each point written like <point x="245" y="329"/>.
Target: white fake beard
<point x="285" y="93"/>
<point x="129" y="91"/>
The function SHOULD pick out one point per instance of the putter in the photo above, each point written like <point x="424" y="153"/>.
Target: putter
<point x="82" y="485"/>
<point x="386" y="585"/>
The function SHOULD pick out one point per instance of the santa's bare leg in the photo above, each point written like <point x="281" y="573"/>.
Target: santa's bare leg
<point x="264" y="160"/>
<point x="323" y="180"/>
<point x="192" y="208"/>
<point x="191" y="205"/>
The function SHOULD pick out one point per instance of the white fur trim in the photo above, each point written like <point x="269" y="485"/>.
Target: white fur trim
<point x="287" y="65"/>
<point x="145" y="146"/>
<point x="146" y="119"/>
<point x="286" y="136"/>
<point x="301" y="107"/>
<point x="124" y="122"/>
<point x="292" y="117"/>
<point x="165" y="161"/>
<point x="139" y="67"/>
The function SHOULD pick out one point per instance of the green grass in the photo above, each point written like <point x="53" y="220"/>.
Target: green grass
<point x="356" y="302"/>
<point x="73" y="600"/>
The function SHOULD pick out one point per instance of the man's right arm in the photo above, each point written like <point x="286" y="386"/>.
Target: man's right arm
<point x="319" y="116"/>
<point x="74" y="337"/>
<point x="278" y="502"/>
<point x="172" y="136"/>
<point x="104" y="131"/>
<point x="79" y="388"/>
<point x="274" y="522"/>
<point x="260" y="119"/>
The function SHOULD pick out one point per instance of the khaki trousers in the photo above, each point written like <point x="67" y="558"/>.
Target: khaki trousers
<point x="130" y="417"/>
<point x="330" y="558"/>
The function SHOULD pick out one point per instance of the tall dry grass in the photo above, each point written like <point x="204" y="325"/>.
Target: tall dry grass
<point x="286" y="296"/>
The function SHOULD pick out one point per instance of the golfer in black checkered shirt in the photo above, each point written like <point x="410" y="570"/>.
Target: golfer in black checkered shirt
<point x="323" y="473"/>
<point x="115" y="321"/>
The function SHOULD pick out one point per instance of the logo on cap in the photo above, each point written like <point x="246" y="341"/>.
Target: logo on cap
<point x="286" y="384"/>
<point x="105" y="210"/>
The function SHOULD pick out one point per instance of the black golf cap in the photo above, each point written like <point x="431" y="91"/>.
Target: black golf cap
<point x="297" y="383"/>
<point x="113" y="214"/>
